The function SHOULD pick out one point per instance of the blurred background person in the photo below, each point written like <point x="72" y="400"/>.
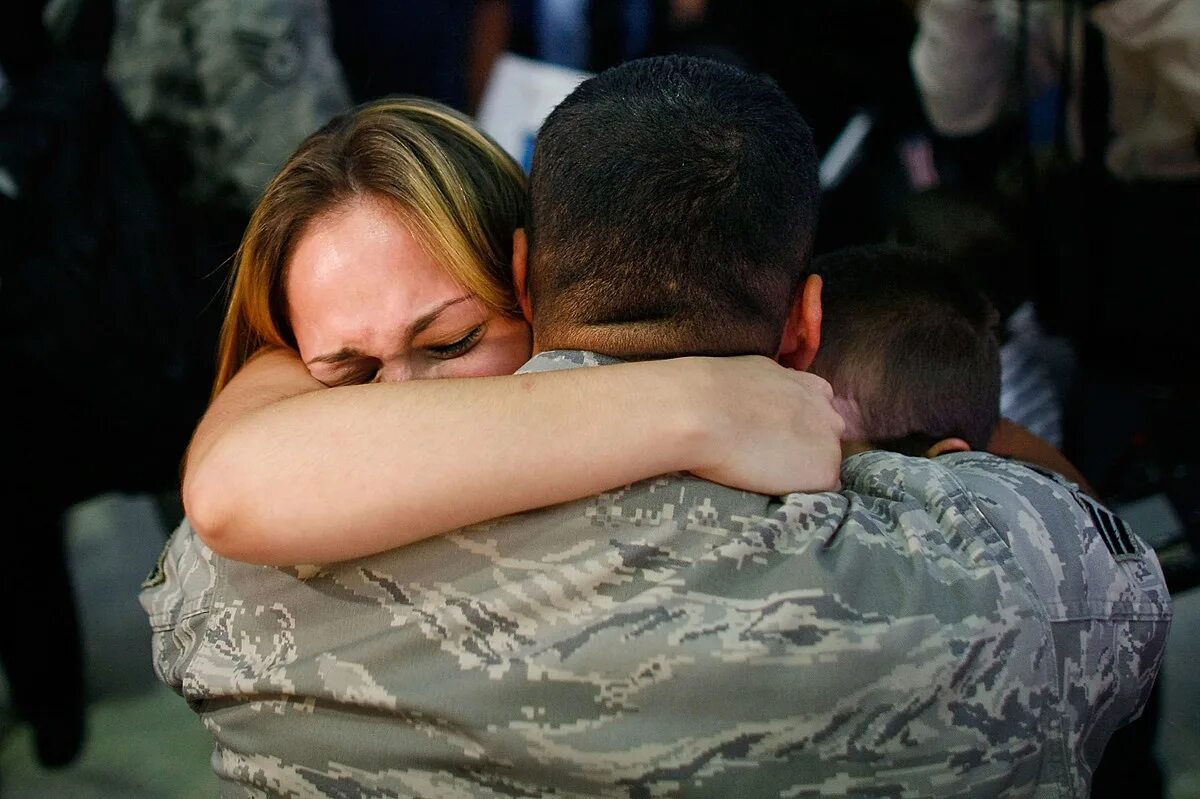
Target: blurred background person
<point x="127" y="173"/>
<point x="1082" y="119"/>
<point x="1085" y="117"/>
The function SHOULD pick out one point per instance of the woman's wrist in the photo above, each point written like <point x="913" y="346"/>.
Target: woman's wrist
<point x="696" y="414"/>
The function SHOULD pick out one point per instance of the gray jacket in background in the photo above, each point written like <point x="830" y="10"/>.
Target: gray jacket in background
<point x="964" y="62"/>
<point x="236" y="85"/>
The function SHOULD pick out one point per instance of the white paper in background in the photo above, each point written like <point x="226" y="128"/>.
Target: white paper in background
<point x="845" y="151"/>
<point x="520" y="94"/>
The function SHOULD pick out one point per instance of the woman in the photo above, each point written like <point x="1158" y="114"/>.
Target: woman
<point x="381" y="254"/>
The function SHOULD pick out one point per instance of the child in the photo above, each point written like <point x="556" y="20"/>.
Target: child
<point x="909" y="345"/>
<point x="984" y="241"/>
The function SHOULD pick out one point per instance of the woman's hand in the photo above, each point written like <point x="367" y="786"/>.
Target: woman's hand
<point x="774" y="429"/>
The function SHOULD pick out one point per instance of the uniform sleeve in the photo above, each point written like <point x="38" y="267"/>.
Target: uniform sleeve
<point x="178" y="597"/>
<point x="1101" y="588"/>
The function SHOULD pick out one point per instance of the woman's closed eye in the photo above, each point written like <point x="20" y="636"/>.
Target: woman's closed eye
<point x="457" y="348"/>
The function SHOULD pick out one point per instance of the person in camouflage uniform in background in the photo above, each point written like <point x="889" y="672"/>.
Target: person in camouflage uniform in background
<point x="958" y="626"/>
<point x="237" y="83"/>
<point x="221" y="92"/>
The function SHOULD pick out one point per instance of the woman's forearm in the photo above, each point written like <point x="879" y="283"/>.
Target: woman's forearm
<point x="340" y="473"/>
<point x="280" y="473"/>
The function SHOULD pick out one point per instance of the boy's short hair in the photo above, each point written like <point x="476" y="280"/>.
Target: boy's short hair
<point x="912" y="341"/>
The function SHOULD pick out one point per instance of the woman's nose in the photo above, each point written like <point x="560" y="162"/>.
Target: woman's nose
<point x="395" y="372"/>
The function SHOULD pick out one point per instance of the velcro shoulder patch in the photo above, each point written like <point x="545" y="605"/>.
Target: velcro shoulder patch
<point x="1115" y="533"/>
<point x="157" y="575"/>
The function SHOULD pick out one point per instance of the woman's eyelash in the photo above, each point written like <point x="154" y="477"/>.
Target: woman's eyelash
<point x="456" y="348"/>
<point x="357" y="375"/>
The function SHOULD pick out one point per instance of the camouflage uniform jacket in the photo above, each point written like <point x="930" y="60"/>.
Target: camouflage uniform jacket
<point x="938" y="628"/>
<point x="237" y="84"/>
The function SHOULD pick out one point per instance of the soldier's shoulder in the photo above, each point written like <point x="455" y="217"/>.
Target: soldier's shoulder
<point x="554" y="360"/>
<point x="183" y="580"/>
<point x="1074" y="549"/>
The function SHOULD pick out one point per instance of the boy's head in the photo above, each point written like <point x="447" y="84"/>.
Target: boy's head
<point x="674" y="203"/>
<point x="909" y="345"/>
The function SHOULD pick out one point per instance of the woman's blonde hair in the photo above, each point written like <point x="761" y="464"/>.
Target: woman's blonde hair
<point x="458" y="192"/>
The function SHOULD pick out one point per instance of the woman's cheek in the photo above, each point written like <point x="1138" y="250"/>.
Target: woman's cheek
<point x="509" y="343"/>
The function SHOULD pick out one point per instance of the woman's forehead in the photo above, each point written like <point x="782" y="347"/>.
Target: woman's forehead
<point x="361" y="270"/>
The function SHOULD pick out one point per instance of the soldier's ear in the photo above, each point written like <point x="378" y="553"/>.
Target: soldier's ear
<point x="802" y="332"/>
<point x="520" y="272"/>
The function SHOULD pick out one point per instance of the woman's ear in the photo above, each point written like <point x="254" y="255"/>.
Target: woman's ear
<point x="947" y="445"/>
<point x="802" y="332"/>
<point x="520" y="272"/>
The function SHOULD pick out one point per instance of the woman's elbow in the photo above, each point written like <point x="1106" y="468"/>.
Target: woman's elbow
<point x="211" y="504"/>
<point x="206" y="509"/>
<point x="226" y="524"/>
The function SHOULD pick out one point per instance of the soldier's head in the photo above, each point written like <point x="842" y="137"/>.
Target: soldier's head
<point x="674" y="202"/>
<point x="909" y="345"/>
<point x="382" y="251"/>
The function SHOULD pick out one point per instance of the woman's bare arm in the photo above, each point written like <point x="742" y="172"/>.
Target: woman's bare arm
<point x="284" y="470"/>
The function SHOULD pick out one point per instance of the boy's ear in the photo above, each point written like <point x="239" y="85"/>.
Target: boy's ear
<point x="802" y="332"/>
<point x="520" y="272"/>
<point x="947" y="445"/>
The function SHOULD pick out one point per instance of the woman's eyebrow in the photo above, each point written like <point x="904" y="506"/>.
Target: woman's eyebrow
<point x="344" y="354"/>
<point x="422" y="322"/>
<point x="427" y="319"/>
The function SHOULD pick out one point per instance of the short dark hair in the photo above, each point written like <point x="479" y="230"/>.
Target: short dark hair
<point x="674" y="202"/>
<point x="912" y="340"/>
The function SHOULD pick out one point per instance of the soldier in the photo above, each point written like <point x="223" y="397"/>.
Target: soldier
<point x="954" y="626"/>
<point x="232" y="85"/>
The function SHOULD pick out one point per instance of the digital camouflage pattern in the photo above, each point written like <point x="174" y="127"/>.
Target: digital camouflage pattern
<point x="239" y="82"/>
<point x="938" y="628"/>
